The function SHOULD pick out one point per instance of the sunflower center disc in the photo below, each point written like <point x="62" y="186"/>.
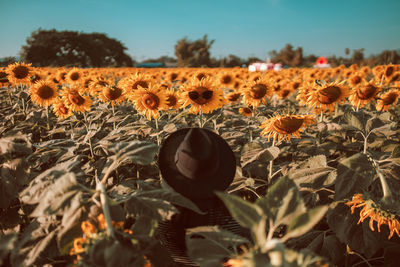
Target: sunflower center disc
<point x="151" y="101"/>
<point x="21" y="72"/>
<point x="143" y="84"/>
<point x="171" y="100"/>
<point x="74" y="76"/>
<point x="112" y="93"/>
<point x="367" y="92"/>
<point x="258" y="91"/>
<point x="288" y="125"/>
<point x="76" y="98"/>
<point x="329" y="95"/>
<point x="45" y="92"/>
<point x="389" y="99"/>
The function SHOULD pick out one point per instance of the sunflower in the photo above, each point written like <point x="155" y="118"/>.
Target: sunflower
<point x="74" y="76"/>
<point x="131" y="83"/>
<point x="226" y="80"/>
<point x="36" y="76"/>
<point x="92" y="233"/>
<point x="355" y="79"/>
<point x="233" y="97"/>
<point x="61" y="75"/>
<point x="19" y="73"/>
<point x="327" y="96"/>
<point x="389" y="72"/>
<point x="256" y="92"/>
<point x="150" y="100"/>
<point x="281" y="127"/>
<point x="3" y="78"/>
<point x="61" y="110"/>
<point x="75" y="101"/>
<point x="386" y="100"/>
<point x="97" y="84"/>
<point x="44" y="93"/>
<point x="112" y="95"/>
<point x="377" y="212"/>
<point x="172" y="99"/>
<point x="364" y="93"/>
<point x="202" y="94"/>
<point x="246" y="111"/>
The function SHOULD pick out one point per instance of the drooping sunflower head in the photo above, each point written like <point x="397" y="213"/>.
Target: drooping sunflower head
<point x="19" y="73"/>
<point x="75" y="101"/>
<point x="44" y="93"/>
<point x="364" y="93"/>
<point x="202" y="94"/>
<point x="376" y="211"/>
<point x="387" y="100"/>
<point x="284" y="127"/>
<point x="327" y="95"/>
<point x="61" y="110"/>
<point x="257" y="92"/>
<point x="150" y="101"/>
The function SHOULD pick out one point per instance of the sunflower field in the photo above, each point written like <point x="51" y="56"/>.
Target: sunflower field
<point x="317" y="165"/>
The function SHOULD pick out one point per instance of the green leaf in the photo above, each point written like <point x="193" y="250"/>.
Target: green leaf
<point x="372" y="124"/>
<point x="354" y="175"/>
<point x="138" y="152"/>
<point x="210" y="245"/>
<point x="15" y="146"/>
<point x="358" y="237"/>
<point x="357" y="120"/>
<point x="70" y="227"/>
<point x="245" y="213"/>
<point x="155" y="208"/>
<point x="305" y="222"/>
<point x="282" y="202"/>
<point x="7" y="244"/>
<point x="171" y="197"/>
<point x="59" y="196"/>
<point x="254" y="151"/>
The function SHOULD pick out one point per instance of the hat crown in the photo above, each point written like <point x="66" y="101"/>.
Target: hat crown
<point x="197" y="156"/>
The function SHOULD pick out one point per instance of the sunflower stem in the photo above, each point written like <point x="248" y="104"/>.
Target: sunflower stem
<point x="158" y="132"/>
<point x="387" y="194"/>
<point x="200" y="118"/>
<point x="321" y="118"/>
<point x="47" y="116"/>
<point x="365" y="144"/>
<point x="105" y="205"/>
<point x="271" y="163"/>
<point x="87" y="131"/>
<point x="113" y="113"/>
<point x="336" y="110"/>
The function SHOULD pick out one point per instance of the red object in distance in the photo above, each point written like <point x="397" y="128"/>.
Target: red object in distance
<point x="322" y="60"/>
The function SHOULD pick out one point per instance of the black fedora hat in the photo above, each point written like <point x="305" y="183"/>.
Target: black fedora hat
<point x="195" y="162"/>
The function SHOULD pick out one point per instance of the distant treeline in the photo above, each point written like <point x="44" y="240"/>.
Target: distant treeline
<point x="71" y="48"/>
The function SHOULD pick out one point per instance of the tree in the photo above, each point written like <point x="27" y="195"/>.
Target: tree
<point x="193" y="53"/>
<point x="358" y="56"/>
<point x="71" y="48"/>
<point x="288" y="56"/>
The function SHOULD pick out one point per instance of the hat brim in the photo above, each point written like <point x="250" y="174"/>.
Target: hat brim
<point x="202" y="188"/>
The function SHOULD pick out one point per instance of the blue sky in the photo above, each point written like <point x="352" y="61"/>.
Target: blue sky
<point x="151" y="28"/>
